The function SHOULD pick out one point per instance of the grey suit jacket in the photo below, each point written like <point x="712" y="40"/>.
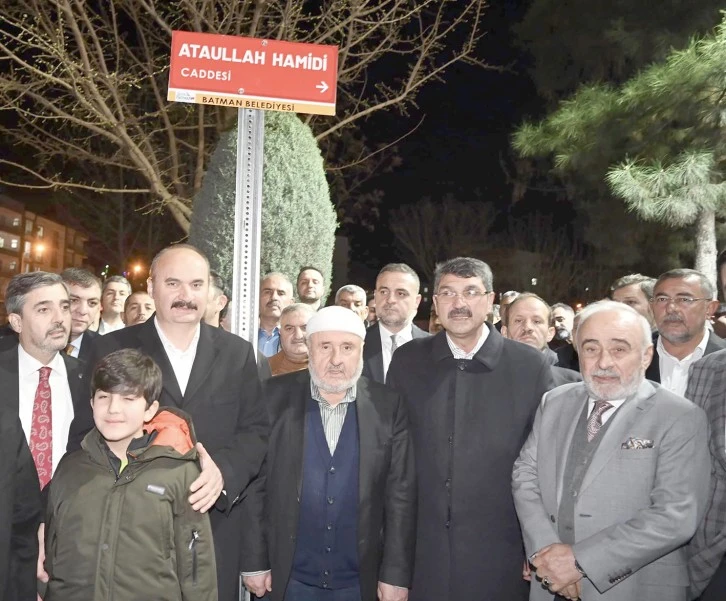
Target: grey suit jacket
<point x="373" y="352"/>
<point x="707" y="389"/>
<point x="636" y="508"/>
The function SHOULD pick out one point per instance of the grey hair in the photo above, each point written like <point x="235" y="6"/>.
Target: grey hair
<point x="24" y="283"/>
<point x="118" y="279"/>
<point x="351" y="289"/>
<point x="465" y="267"/>
<point x="610" y="305"/>
<point x="297" y="308"/>
<point x="681" y="274"/>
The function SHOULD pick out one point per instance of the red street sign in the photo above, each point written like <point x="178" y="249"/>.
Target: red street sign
<point x="226" y="70"/>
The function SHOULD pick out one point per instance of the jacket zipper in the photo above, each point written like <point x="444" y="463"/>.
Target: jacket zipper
<point x="193" y="549"/>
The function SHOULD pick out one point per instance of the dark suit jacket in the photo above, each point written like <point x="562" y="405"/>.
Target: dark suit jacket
<point x="86" y="342"/>
<point x="80" y="395"/>
<point x="224" y="401"/>
<point x="469" y="420"/>
<point x="653" y="372"/>
<point x="387" y="486"/>
<point x="20" y="511"/>
<point x="373" y="352"/>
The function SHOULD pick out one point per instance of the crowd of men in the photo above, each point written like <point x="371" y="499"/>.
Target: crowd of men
<point x="358" y="456"/>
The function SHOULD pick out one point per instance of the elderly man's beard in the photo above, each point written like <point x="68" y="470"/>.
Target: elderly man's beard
<point x="338" y="387"/>
<point x="612" y="392"/>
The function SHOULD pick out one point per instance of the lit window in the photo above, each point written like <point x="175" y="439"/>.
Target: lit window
<point x="14" y="243"/>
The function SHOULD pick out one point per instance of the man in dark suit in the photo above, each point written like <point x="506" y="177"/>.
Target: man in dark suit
<point x="211" y="374"/>
<point x="471" y="396"/>
<point x="397" y="298"/>
<point x="529" y="321"/>
<point x="341" y="493"/>
<point x="683" y="300"/>
<point x="35" y="369"/>
<point x="707" y="550"/>
<point x="85" y="291"/>
<point x="20" y="512"/>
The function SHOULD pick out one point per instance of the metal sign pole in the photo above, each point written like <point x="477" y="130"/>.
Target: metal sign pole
<point x="247" y="224"/>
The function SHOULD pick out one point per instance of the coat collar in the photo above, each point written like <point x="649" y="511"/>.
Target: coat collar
<point x="488" y="355"/>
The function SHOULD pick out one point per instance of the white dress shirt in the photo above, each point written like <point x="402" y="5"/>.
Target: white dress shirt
<point x="462" y="354"/>
<point x="61" y="401"/>
<point x="181" y="360"/>
<point x="402" y="337"/>
<point x="76" y="343"/>
<point x="609" y="413"/>
<point x="674" y="371"/>
<point x="106" y="328"/>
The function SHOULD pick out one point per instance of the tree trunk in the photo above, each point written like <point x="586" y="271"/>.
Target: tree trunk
<point x="706" y="245"/>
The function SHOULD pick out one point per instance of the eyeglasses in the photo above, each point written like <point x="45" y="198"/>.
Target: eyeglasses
<point x="679" y="301"/>
<point x="470" y="295"/>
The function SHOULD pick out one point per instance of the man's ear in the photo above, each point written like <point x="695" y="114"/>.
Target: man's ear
<point x="151" y="412"/>
<point x="222" y="301"/>
<point x="150" y="287"/>
<point x="16" y="322"/>
<point x="504" y="331"/>
<point x="550" y="333"/>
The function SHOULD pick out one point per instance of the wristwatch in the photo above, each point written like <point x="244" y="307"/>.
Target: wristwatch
<point x="578" y="567"/>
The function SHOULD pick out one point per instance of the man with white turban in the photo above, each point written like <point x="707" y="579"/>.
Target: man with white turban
<point x="341" y="493"/>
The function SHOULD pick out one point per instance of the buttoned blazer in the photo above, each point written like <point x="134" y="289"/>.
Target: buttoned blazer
<point x="373" y="351"/>
<point x="713" y="345"/>
<point x="223" y="398"/>
<point x="635" y="509"/>
<point x="707" y="389"/>
<point x="387" y="485"/>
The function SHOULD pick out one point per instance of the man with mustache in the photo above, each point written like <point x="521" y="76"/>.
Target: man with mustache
<point x="472" y="396"/>
<point x="397" y="298"/>
<point x="529" y="321"/>
<point x="139" y="306"/>
<point x="275" y="295"/>
<point x="41" y="383"/>
<point x="293" y="355"/>
<point x="211" y="374"/>
<point x="340" y="512"/>
<point x="614" y="476"/>
<point x="683" y="300"/>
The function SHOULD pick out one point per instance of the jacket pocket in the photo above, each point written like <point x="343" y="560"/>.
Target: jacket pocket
<point x="195" y="560"/>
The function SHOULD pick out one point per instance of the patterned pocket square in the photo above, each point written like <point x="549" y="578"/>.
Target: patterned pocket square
<point x="637" y="443"/>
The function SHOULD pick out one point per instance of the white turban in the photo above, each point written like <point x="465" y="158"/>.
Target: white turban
<point x="336" y="319"/>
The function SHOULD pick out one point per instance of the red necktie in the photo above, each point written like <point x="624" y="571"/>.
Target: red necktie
<point x="41" y="429"/>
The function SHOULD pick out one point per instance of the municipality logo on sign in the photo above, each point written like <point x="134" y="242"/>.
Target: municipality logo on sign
<point x="185" y="96"/>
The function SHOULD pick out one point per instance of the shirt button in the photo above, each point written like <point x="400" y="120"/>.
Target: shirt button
<point x="104" y="546"/>
<point x="328" y="549"/>
<point x="332" y="470"/>
<point x="331" y="500"/>
<point x="329" y="527"/>
<point x="325" y="585"/>
<point x="326" y="573"/>
<point x="448" y="483"/>
<point x="447" y="524"/>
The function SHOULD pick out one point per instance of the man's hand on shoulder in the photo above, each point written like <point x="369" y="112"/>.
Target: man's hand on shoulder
<point x="388" y="592"/>
<point x="207" y="488"/>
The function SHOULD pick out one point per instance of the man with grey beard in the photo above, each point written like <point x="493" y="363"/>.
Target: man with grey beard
<point x="340" y="515"/>
<point x="613" y="479"/>
<point x="682" y="303"/>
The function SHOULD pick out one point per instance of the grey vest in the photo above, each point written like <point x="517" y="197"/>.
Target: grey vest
<point x="578" y="462"/>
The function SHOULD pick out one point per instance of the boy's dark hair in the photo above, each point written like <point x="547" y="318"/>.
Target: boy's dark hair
<point x="128" y="371"/>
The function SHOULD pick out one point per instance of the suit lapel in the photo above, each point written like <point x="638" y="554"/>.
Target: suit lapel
<point x="375" y="353"/>
<point x="297" y="430"/>
<point x="9" y="377"/>
<point x="619" y="430"/>
<point x="204" y="360"/>
<point x="151" y="343"/>
<point x="565" y="433"/>
<point x="368" y="439"/>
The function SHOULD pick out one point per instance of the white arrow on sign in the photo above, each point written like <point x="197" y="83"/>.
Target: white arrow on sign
<point x="322" y="86"/>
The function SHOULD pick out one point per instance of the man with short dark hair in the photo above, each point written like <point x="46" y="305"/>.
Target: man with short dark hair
<point x="310" y="287"/>
<point x="529" y="321"/>
<point x="275" y="295"/>
<point x="114" y="293"/>
<point x="397" y="299"/>
<point x="354" y="298"/>
<point x="683" y="300"/>
<point x="472" y="395"/>
<point x="139" y="306"/>
<point x="635" y="290"/>
<point x="211" y="374"/>
<point x="504" y="301"/>
<point x="85" y="292"/>
<point x="218" y="301"/>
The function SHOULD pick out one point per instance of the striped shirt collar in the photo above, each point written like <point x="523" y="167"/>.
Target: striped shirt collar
<point x="315" y="392"/>
<point x="460" y="353"/>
